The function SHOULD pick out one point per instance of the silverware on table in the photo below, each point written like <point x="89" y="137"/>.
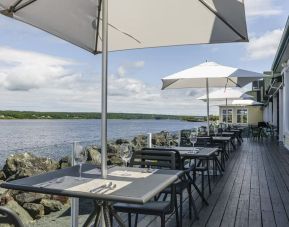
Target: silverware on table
<point x="104" y="188"/>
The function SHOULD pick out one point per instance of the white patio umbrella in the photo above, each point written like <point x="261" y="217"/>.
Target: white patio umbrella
<point x="226" y="94"/>
<point x="210" y="74"/>
<point x="246" y="102"/>
<point x="131" y="24"/>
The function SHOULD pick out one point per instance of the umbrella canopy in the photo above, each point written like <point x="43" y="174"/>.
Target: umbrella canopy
<point x="244" y="102"/>
<point x="218" y="75"/>
<point x="134" y="23"/>
<point x="210" y="74"/>
<point x="223" y="94"/>
<point x="226" y="94"/>
<point x="88" y="25"/>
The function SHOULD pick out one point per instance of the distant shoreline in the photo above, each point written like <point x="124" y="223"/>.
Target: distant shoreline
<point x="31" y="115"/>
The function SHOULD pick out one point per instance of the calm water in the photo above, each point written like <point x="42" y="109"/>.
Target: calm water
<point x="54" y="137"/>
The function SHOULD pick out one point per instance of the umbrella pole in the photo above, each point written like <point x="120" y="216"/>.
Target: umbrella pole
<point x="226" y="112"/>
<point x="208" y="105"/>
<point x="104" y="99"/>
<point x="104" y="89"/>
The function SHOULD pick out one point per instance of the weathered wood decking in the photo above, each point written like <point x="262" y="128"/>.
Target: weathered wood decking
<point x="254" y="191"/>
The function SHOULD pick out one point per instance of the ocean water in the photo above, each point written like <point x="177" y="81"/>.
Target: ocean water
<point x="54" y="138"/>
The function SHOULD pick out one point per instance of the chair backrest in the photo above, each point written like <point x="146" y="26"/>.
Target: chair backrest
<point x="7" y="216"/>
<point x="202" y="131"/>
<point x="185" y="137"/>
<point x="204" y="141"/>
<point x="156" y="158"/>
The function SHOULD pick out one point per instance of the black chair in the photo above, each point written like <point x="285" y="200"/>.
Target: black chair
<point x="203" y="163"/>
<point x="185" y="138"/>
<point x="202" y="131"/>
<point x="181" y="185"/>
<point x="165" y="159"/>
<point x="7" y="216"/>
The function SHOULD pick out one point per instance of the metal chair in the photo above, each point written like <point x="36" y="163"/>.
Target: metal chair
<point x="7" y="216"/>
<point x="182" y="185"/>
<point x="185" y="138"/>
<point x="165" y="159"/>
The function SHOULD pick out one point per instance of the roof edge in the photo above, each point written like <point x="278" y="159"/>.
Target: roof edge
<point x="281" y="47"/>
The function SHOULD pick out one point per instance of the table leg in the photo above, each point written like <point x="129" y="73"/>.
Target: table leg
<point x="105" y="209"/>
<point x="198" y="190"/>
<point x="116" y="216"/>
<point x="233" y="145"/>
<point x="92" y="215"/>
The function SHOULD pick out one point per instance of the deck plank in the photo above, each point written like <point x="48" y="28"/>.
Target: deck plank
<point x="254" y="191"/>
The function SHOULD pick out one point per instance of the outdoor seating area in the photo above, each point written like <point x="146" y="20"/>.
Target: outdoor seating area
<point x="127" y="137"/>
<point x="159" y="181"/>
<point x="253" y="191"/>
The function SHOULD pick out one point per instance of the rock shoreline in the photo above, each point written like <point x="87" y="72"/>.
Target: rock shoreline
<point x="31" y="207"/>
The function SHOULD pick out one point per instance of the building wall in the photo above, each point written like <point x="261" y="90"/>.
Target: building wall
<point x="255" y="114"/>
<point x="281" y="114"/>
<point x="275" y="111"/>
<point x="286" y="107"/>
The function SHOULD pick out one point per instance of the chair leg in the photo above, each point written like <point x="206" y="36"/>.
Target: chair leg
<point x="203" y="186"/>
<point x="165" y="197"/>
<point x="163" y="220"/>
<point x="177" y="210"/>
<point x="129" y="219"/>
<point x="189" y="188"/>
<point x="208" y="173"/>
<point x="181" y="209"/>
<point x="136" y="220"/>
<point x="214" y="169"/>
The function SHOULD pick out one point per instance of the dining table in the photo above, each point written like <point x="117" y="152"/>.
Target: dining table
<point x="194" y="153"/>
<point x="123" y="184"/>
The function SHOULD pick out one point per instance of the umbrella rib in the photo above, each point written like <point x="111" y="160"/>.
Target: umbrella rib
<point x="22" y="5"/>
<point x="125" y="33"/>
<point x="232" y="82"/>
<point x="222" y="19"/>
<point x="97" y="27"/>
<point x="15" y="5"/>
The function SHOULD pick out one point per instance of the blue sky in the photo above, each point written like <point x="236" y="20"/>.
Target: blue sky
<point x="42" y="73"/>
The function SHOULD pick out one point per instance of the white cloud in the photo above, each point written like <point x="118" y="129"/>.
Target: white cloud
<point x="129" y="68"/>
<point x="264" y="46"/>
<point x="26" y="70"/>
<point x="262" y="8"/>
<point x="34" y="81"/>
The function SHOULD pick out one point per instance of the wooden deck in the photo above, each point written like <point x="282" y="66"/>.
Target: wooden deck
<point x="254" y="191"/>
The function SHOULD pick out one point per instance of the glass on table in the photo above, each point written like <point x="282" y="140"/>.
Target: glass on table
<point x="194" y="139"/>
<point x="80" y="157"/>
<point x="125" y="155"/>
<point x="216" y="130"/>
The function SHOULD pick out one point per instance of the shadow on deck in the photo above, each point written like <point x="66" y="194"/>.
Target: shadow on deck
<point x="254" y="191"/>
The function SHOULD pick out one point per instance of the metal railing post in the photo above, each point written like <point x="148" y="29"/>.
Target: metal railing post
<point x="149" y="140"/>
<point x="74" y="201"/>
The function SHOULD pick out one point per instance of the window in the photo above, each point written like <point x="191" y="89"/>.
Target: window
<point x="230" y="115"/>
<point x="242" y="116"/>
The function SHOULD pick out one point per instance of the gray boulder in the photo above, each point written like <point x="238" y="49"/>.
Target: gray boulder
<point x="2" y="190"/>
<point x="26" y="164"/>
<point x="159" y="139"/>
<point x="64" y="162"/>
<point x="93" y="155"/>
<point x="112" y="148"/>
<point x="51" y="205"/>
<point x="29" y="197"/>
<point x="139" y="142"/>
<point x="35" y="210"/>
<point x="2" y="175"/>
<point x="20" y="211"/>
<point x="121" y="141"/>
